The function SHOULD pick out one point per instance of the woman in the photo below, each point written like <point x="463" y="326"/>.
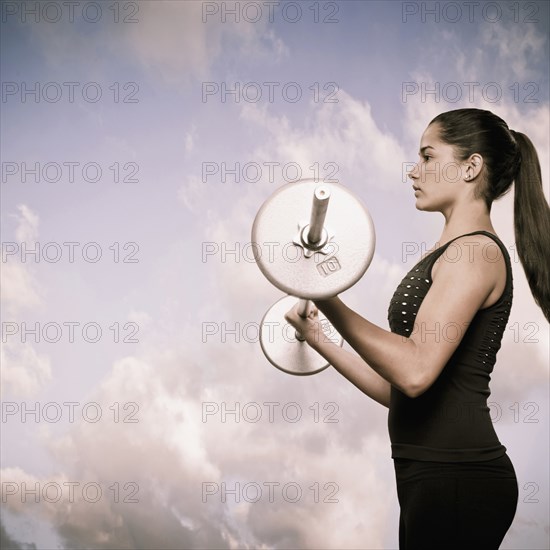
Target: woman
<point x="456" y="485"/>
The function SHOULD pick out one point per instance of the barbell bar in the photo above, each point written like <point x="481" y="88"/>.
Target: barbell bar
<point x="316" y="238"/>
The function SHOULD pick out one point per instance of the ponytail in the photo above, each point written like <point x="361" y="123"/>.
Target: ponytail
<point x="532" y="223"/>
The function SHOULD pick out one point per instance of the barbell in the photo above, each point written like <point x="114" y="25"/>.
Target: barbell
<point x="308" y="258"/>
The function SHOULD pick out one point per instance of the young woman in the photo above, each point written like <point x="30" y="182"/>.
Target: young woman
<point x="456" y="485"/>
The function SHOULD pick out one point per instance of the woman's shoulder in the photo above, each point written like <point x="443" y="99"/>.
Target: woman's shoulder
<point x="479" y="253"/>
<point x="478" y="246"/>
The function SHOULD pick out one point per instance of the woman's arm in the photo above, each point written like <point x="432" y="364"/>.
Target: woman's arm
<point x="355" y="370"/>
<point x="413" y="364"/>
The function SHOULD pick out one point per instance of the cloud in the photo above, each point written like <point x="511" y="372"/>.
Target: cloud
<point x="191" y="192"/>
<point x="190" y="139"/>
<point x="9" y="543"/>
<point x="171" y="40"/>
<point x="175" y="42"/>
<point x="517" y="55"/>
<point x="24" y="371"/>
<point x="27" y="228"/>
<point x="345" y="133"/>
<point x="20" y="289"/>
<point x="172" y="452"/>
<point x="141" y="318"/>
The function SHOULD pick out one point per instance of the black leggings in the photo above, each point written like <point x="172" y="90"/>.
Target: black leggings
<point x="454" y="506"/>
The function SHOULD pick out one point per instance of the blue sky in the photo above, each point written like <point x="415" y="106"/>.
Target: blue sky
<point x="163" y="136"/>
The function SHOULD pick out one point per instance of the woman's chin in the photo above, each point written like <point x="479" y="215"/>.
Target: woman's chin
<point x="424" y="206"/>
<point x="419" y="204"/>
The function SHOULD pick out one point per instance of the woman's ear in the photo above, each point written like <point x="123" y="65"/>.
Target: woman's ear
<point x="473" y="165"/>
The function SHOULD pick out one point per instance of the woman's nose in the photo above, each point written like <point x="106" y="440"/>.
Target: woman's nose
<point x="413" y="172"/>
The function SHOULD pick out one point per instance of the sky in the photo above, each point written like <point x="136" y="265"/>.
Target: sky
<point x="138" y="141"/>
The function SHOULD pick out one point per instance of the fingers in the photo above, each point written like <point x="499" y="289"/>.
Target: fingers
<point x="313" y="313"/>
<point x="292" y="317"/>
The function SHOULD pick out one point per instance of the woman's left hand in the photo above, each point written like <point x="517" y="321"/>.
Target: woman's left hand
<point x="309" y="327"/>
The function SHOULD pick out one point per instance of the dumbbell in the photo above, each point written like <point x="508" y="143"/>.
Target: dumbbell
<point x="311" y="239"/>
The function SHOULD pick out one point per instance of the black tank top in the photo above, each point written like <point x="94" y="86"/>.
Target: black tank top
<point x="450" y="422"/>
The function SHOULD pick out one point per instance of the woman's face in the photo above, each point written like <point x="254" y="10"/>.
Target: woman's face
<point x="437" y="177"/>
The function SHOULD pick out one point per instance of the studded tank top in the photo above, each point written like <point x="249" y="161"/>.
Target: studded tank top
<point x="449" y="422"/>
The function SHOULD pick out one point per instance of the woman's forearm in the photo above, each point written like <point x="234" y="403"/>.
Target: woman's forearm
<point x="355" y="370"/>
<point x="390" y="355"/>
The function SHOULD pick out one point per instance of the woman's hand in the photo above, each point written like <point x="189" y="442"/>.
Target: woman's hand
<point x="309" y="327"/>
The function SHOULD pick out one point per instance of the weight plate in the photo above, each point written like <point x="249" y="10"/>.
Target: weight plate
<point x="283" y="262"/>
<point x="283" y="349"/>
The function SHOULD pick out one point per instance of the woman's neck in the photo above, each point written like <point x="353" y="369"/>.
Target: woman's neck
<point x="465" y="218"/>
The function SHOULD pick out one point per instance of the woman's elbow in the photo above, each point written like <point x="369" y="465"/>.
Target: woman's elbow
<point x="422" y="372"/>
<point x="417" y="384"/>
<point x="414" y="390"/>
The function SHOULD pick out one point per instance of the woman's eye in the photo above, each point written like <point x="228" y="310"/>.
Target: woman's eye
<point x="426" y="157"/>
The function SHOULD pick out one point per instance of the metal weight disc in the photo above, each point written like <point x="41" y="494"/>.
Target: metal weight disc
<point x="345" y="258"/>
<point x="283" y="349"/>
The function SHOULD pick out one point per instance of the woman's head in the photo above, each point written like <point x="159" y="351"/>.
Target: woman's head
<point x="489" y="155"/>
<point x="441" y="179"/>
<point x="475" y="131"/>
